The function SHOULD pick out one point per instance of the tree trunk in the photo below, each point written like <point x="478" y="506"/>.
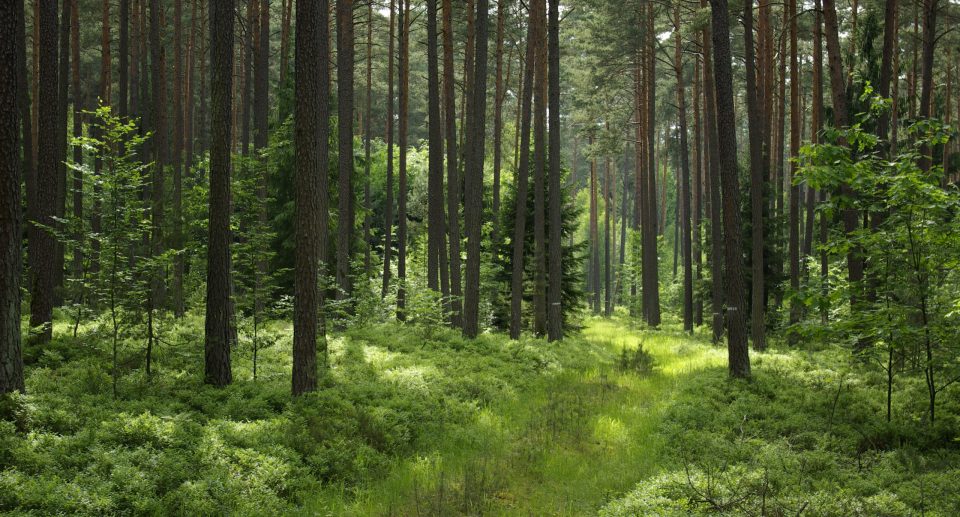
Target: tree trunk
<point x="796" y="123"/>
<point x="684" y="184"/>
<point x="594" y="236"/>
<point x="651" y="285"/>
<point x="45" y="246"/>
<point x="713" y="188"/>
<point x="554" y="309"/>
<point x="473" y="177"/>
<point x="261" y="114"/>
<point x="217" y="369"/>
<point x="388" y="202"/>
<point x="435" y="197"/>
<point x="77" y="175"/>
<point x="345" y="203"/>
<point x="754" y="116"/>
<point x="63" y="102"/>
<point x="522" y="174"/>
<point x="179" y="261"/>
<point x="368" y="136"/>
<point x="738" y="354"/>
<point x="453" y="173"/>
<point x="11" y="360"/>
<point x="930" y="8"/>
<point x="404" y="26"/>
<point x="539" y="164"/>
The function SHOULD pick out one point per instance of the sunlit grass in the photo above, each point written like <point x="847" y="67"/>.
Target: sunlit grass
<point x="573" y="440"/>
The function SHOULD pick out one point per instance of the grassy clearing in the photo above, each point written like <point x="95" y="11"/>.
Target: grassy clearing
<point x="580" y="434"/>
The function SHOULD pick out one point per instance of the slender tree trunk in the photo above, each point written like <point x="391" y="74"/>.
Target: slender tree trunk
<point x="698" y="166"/>
<point x="45" y="246"/>
<point x="28" y="128"/>
<point x="435" y="197"/>
<point x="368" y="136"/>
<point x="63" y="102"/>
<point x="608" y="208"/>
<point x="11" y="360"/>
<point x="594" y="236"/>
<point x="539" y="164"/>
<point x="453" y="173"/>
<point x="796" y="123"/>
<point x="651" y="285"/>
<point x="77" y="175"/>
<point x="217" y="369"/>
<point x="685" y="229"/>
<point x="345" y="202"/>
<point x="555" y="279"/>
<point x="713" y="176"/>
<point x="261" y="114"/>
<point x="388" y="203"/>
<point x="522" y="175"/>
<point x="498" y="122"/>
<point x="404" y="25"/>
<point x="473" y="177"/>
<point x="177" y="158"/>
<point x="738" y="354"/>
<point x="930" y="8"/>
<point x="754" y="108"/>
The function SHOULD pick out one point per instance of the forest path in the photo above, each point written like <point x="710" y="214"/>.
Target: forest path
<point x="569" y="443"/>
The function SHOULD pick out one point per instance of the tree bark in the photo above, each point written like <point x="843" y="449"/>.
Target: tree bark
<point x="453" y="173"/>
<point x="473" y="176"/>
<point x="345" y="203"/>
<point x="388" y="202"/>
<point x="554" y="285"/>
<point x="738" y="353"/>
<point x="11" y="360"/>
<point x="45" y="246"/>
<point x="713" y="188"/>
<point x="522" y="175"/>
<point x="217" y="369"/>
<point x="179" y="262"/>
<point x="796" y="123"/>
<point x="651" y="275"/>
<point x="685" y="229"/>
<point x="404" y="25"/>
<point x="539" y="164"/>
<point x="435" y="198"/>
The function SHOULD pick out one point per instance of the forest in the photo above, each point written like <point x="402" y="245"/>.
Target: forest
<point x="474" y="257"/>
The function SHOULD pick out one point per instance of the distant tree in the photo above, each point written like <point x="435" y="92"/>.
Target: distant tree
<point x="554" y="298"/>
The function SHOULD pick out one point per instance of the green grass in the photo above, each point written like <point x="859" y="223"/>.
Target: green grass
<point x="577" y="436"/>
<point x="419" y="421"/>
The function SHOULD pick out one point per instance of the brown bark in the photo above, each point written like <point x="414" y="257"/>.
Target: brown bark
<point x="554" y="309"/>
<point x="539" y="164"/>
<point x="217" y="369"/>
<point x="345" y="202"/>
<point x="404" y="62"/>
<point x="522" y="175"/>
<point x="795" y="128"/>
<point x="388" y="202"/>
<point x="179" y="262"/>
<point x="473" y="176"/>
<point x="453" y="173"/>
<point x="684" y="191"/>
<point x="738" y="354"/>
<point x="713" y="186"/>
<point x="11" y="360"/>
<point x="45" y="246"/>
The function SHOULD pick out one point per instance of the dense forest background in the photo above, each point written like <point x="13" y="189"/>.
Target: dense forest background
<point x="364" y="257"/>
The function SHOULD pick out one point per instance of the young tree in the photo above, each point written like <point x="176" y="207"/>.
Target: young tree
<point x="217" y="370"/>
<point x="473" y="177"/>
<point x="11" y="360"/>
<point x="738" y="353"/>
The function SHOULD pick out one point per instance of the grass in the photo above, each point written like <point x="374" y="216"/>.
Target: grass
<point x="574" y="438"/>
<point x="419" y="421"/>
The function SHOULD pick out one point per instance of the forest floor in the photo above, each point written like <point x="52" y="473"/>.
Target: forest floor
<point x="415" y="420"/>
<point x="565" y="445"/>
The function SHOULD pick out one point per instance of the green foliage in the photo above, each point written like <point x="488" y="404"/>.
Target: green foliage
<point x="638" y="361"/>
<point x="571" y="254"/>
